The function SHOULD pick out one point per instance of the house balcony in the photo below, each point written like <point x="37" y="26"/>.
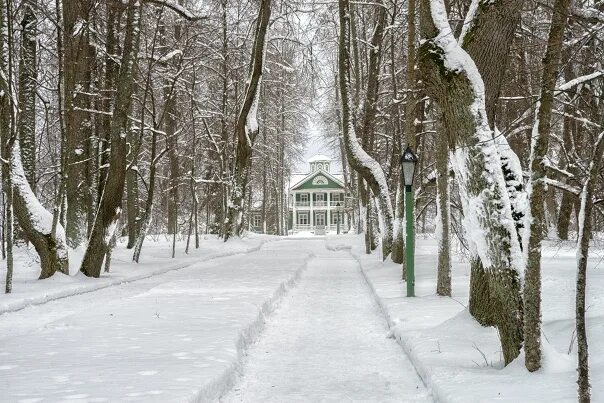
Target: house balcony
<point x="330" y="229"/>
<point x="321" y="204"/>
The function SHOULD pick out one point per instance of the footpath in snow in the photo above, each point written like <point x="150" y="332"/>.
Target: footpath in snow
<point x="155" y="259"/>
<point x="460" y="360"/>
<point x="173" y="337"/>
<point x="328" y="342"/>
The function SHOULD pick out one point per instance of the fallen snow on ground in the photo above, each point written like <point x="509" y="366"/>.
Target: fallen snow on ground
<point x="155" y="259"/>
<point x="460" y="360"/>
<point x="177" y="336"/>
<point x="191" y="328"/>
<point x="328" y="342"/>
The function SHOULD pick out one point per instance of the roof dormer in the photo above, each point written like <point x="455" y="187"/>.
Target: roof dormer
<point x="319" y="162"/>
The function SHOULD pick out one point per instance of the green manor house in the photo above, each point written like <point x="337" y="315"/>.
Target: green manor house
<point x="317" y="200"/>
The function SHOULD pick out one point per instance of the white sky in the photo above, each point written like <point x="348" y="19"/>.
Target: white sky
<point x="318" y="144"/>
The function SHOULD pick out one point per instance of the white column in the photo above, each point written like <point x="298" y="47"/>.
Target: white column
<point x="294" y="213"/>
<point x="328" y="223"/>
<point x="311" y="211"/>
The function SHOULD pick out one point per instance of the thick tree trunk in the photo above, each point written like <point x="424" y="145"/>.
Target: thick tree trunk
<point x="77" y="63"/>
<point x="112" y="66"/>
<point x="246" y="127"/>
<point x="36" y="221"/>
<point x="111" y="198"/>
<point x="28" y="76"/>
<point x="459" y="93"/>
<point x="567" y="207"/>
<point x="537" y="191"/>
<point x="487" y="37"/>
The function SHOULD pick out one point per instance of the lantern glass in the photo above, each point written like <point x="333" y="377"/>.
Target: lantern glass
<point x="408" y="161"/>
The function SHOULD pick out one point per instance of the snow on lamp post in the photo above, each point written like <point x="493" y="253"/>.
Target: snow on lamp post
<point x="408" y="162"/>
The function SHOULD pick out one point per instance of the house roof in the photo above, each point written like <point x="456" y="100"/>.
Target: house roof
<point x="332" y="180"/>
<point x="319" y="157"/>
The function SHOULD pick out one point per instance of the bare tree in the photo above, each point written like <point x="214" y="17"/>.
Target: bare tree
<point x="247" y="128"/>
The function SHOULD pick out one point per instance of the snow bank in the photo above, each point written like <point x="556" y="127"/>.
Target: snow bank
<point x="461" y="360"/>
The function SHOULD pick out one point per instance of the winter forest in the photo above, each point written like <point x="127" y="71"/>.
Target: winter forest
<point x="156" y="247"/>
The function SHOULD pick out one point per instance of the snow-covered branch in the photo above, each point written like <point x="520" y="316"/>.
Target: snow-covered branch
<point x="178" y="9"/>
<point x="579" y="80"/>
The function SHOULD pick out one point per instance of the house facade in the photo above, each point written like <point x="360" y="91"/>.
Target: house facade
<point x="317" y="200"/>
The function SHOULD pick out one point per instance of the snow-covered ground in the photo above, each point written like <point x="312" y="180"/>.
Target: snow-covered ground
<point x="328" y="342"/>
<point x="177" y="336"/>
<point x="155" y="259"/>
<point x="193" y="328"/>
<point x="460" y="360"/>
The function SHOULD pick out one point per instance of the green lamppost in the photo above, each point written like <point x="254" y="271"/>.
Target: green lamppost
<point x="408" y="161"/>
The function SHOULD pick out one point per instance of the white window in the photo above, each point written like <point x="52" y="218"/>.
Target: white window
<point x="304" y="199"/>
<point x="337" y="197"/>
<point x="320" y="197"/>
<point x="319" y="180"/>
<point x="256" y="220"/>
<point x="334" y="218"/>
<point x="320" y="218"/>
<point x="303" y="218"/>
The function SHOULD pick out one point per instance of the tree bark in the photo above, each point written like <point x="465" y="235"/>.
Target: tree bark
<point x="537" y="191"/>
<point x="359" y="160"/>
<point x="77" y="62"/>
<point x="111" y="198"/>
<point x="487" y="37"/>
<point x="246" y="128"/>
<point x="443" y="217"/>
<point x="585" y="228"/>
<point x="459" y="93"/>
<point x="28" y="77"/>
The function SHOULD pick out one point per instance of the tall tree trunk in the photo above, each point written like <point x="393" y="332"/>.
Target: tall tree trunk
<point x="537" y="190"/>
<point x="247" y="128"/>
<point x="398" y="245"/>
<point x="358" y="158"/>
<point x="487" y="36"/>
<point x="443" y="285"/>
<point x="28" y="76"/>
<point x="145" y="223"/>
<point x="170" y="118"/>
<point x="111" y="198"/>
<point x="132" y="204"/>
<point x="584" y="233"/>
<point x="78" y="122"/>
<point x="112" y="70"/>
<point x="459" y="93"/>
<point x="35" y="221"/>
<point x="5" y="137"/>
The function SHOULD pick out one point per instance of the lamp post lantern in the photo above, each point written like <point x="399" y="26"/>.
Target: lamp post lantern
<point x="338" y="212"/>
<point x="408" y="162"/>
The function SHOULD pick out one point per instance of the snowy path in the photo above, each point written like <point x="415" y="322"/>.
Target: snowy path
<point x="328" y="342"/>
<point x="174" y="337"/>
